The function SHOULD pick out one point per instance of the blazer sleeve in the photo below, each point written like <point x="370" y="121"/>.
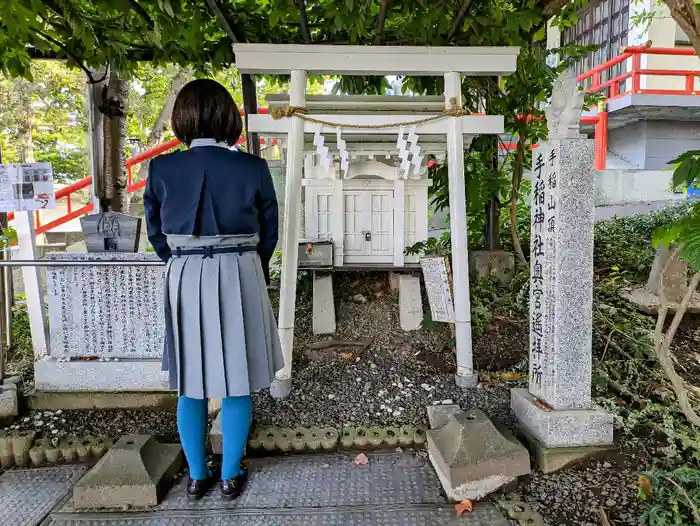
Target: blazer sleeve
<point x="152" y="204"/>
<point x="268" y="220"/>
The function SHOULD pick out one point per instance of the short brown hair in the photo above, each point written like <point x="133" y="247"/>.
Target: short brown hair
<point x="204" y="109"/>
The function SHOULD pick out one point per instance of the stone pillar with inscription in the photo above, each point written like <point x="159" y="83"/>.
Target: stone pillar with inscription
<point x="556" y="411"/>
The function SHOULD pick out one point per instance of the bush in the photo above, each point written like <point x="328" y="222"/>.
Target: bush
<point x="623" y="246"/>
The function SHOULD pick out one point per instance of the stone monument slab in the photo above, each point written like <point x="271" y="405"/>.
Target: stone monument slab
<point x="472" y="458"/>
<point x="136" y="472"/>
<point x="556" y="408"/>
<point x="108" y="311"/>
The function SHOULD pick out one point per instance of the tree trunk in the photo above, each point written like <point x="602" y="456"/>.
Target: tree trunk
<point x="25" y="131"/>
<point x="179" y="80"/>
<point x="685" y="13"/>
<point x="250" y="107"/>
<point x="514" y="192"/>
<point x="156" y="134"/>
<point x="493" y="227"/>
<point x="114" y="173"/>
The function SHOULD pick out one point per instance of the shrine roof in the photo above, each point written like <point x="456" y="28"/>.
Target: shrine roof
<point x="375" y="60"/>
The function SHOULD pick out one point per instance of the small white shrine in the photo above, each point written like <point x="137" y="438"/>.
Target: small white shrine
<point x="367" y="194"/>
<point x="374" y="204"/>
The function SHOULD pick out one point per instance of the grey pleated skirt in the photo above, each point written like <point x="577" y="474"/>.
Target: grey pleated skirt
<point x="221" y="336"/>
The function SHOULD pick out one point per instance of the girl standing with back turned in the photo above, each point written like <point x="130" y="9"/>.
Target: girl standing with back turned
<point x="211" y="214"/>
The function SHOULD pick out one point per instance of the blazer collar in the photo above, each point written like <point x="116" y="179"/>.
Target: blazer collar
<point x="207" y="142"/>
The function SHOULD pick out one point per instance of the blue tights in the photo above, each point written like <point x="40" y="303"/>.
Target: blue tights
<point x="236" y="417"/>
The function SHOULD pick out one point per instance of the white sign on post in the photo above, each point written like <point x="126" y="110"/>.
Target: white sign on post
<point x="439" y="288"/>
<point x="25" y="187"/>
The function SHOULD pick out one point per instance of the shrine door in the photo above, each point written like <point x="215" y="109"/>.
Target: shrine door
<point x="369" y="226"/>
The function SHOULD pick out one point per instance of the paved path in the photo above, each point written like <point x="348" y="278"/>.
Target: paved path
<point x="396" y="489"/>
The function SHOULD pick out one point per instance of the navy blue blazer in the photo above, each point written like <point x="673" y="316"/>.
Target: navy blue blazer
<point x="211" y="191"/>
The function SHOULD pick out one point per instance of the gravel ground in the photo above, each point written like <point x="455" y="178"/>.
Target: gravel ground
<point x="388" y="382"/>
<point x="575" y="495"/>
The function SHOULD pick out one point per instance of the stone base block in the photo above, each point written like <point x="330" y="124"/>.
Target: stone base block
<point x="555" y="458"/>
<point x="137" y="472"/>
<point x="567" y="428"/>
<point x="323" y="304"/>
<point x="216" y="437"/>
<point x="53" y="400"/>
<point x="9" y="402"/>
<point x="497" y="264"/>
<point x="410" y="303"/>
<point x="78" y="375"/>
<point x="471" y="457"/>
<point x="649" y="303"/>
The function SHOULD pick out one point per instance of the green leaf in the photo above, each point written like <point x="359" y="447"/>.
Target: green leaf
<point x="684" y="174"/>
<point x="540" y="34"/>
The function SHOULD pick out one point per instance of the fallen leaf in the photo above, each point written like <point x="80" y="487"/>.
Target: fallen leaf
<point x="461" y="507"/>
<point x="361" y="459"/>
<point x="645" y="485"/>
<point x="542" y="405"/>
<point x="346" y="355"/>
<point x="512" y="377"/>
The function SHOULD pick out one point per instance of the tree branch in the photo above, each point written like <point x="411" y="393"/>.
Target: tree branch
<point x="457" y="22"/>
<point x="551" y="7"/>
<point x="78" y="61"/>
<point x="304" y="22"/>
<point x="223" y="21"/>
<point x="384" y="8"/>
<point x="142" y="13"/>
<point x="663" y="343"/>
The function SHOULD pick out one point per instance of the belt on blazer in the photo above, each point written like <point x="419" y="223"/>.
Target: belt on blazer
<point x="209" y="252"/>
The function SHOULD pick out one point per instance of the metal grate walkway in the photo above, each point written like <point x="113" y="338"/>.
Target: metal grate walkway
<point x="397" y="489"/>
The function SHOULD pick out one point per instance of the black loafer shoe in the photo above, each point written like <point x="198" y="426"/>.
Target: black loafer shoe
<point x="196" y="489"/>
<point x="232" y="488"/>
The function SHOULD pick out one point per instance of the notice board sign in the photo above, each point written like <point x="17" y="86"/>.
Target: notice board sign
<point x="25" y="187"/>
<point x="438" y="285"/>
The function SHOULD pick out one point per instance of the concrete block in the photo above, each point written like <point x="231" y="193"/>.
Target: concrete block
<point x="673" y="282"/>
<point x="649" y="303"/>
<point x="9" y="406"/>
<point x="323" y="304"/>
<point x="440" y="415"/>
<point x="136" y="472"/>
<point x="216" y="437"/>
<point x="550" y="459"/>
<point x="410" y="303"/>
<point x="497" y="264"/>
<point x="213" y="406"/>
<point x="564" y="428"/>
<point x="83" y="375"/>
<point x="53" y="400"/>
<point x="472" y="458"/>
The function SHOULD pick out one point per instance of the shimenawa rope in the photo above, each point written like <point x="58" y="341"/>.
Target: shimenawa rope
<point x="302" y="113"/>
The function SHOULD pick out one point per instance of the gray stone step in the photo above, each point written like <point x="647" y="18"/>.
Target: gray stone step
<point x="397" y="489"/>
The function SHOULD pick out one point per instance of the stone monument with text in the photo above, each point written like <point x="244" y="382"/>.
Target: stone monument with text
<point x="556" y="410"/>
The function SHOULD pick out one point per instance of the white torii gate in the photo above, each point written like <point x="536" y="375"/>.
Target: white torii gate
<point x="450" y="62"/>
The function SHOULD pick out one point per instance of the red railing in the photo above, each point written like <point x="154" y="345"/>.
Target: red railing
<point x="68" y="191"/>
<point x="630" y="82"/>
<point x="618" y="86"/>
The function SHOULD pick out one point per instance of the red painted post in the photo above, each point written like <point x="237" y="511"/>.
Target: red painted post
<point x="615" y="89"/>
<point x="689" y="83"/>
<point x="601" y="137"/>
<point x="636" y="66"/>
